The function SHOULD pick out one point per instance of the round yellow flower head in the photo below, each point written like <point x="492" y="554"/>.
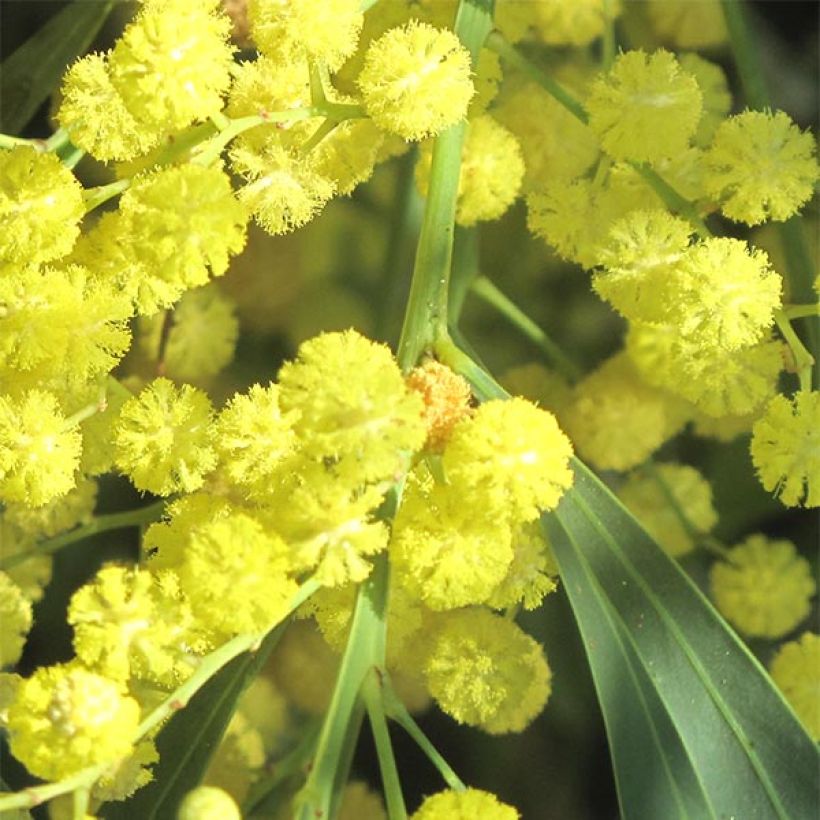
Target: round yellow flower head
<point x="163" y="438"/>
<point x="544" y="387"/>
<point x="640" y="257"/>
<point x="59" y="515"/>
<point x="616" y="420"/>
<point x="796" y="671"/>
<point x="448" y="548"/>
<point x="485" y="671"/>
<point x="96" y="117"/>
<point x="763" y="587"/>
<point x="353" y="405"/>
<point x="326" y="30"/>
<point x="360" y="803"/>
<point x="416" y="80"/>
<point x="172" y="64"/>
<point x="254" y="435"/>
<point x="492" y="169"/>
<point x="786" y="449"/>
<point x="446" y="397"/>
<point x="41" y="205"/>
<point x="646" y="108"/>
<point x="760" y="166"/>
<point x="16" y="617"/>
<point x="464" y="805"/>
<point x="238" y="760"/>
<point x="208" y="803"/>
<point x="647" y="496"/>
<point x="717" y="99"/>
<point x="65" y="718"/>
<point x="512" y="453"/>
<point x="688" y="25"/>
<point x="182" y="224"/>
<point x="39" y="455"/>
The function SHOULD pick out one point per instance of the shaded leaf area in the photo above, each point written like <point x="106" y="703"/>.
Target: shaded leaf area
<point x="695" y="725"/>
<point x="31" y="73"/>
<point x="191" y="737"/>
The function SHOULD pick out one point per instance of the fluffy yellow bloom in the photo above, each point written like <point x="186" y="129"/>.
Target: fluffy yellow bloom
<point x="512" y="453"/>
<point x="65" y="718"/>
<point x="326" y="30"/>
<point x="360" y="803"/>
<point x="617" y="420"/>
<point x="717" y="99"/>
<point x="647" y="494"/>
<point x="464" y="805"/>
<point x="416" y="80"/>
<point x="172" y="64"/>
<point x="39" y="455"/>
<point x="685" y="24"/>
<point x="96" y="117"/>
<point x="163" y="438"/>
<point x="796" y="670"/>
<point x="131" y="773"/>
<point x="16" y="618"/>
<point x="763" y="587"/>
<point x="640" y="262"/>
<point x="786" y="449"/>
<point x="492" y="169"/>
<point x="41" y="206"/>
<point x="353" y="406"/>
<point x="761" y="166"/>
<point x="59" y="515"/>
<point x="483" y="670"/>
<point x="208" y="803"/>
<point x="544" y="387"/>
<point x="646" y="108"/>
<point x="238" y="760"/>
<point x="449" y="548"/>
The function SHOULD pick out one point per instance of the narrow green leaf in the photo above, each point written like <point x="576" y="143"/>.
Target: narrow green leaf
<point x="729" y="744"/>
<point x="32" y="72"/>
<point x="190" y="738"/>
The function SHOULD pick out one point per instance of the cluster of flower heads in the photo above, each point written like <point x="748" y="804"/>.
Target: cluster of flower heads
<point x="283" y="484"/>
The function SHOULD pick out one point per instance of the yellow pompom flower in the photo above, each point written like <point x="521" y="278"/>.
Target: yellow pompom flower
<point x="616" y="420"/>
<point x="172" y="64"/>
<point x="717" y="99"/>
<point x="254" y="436"/>
<point x="574" y="23"/>
<point x="208" y="803"/>
<point x="512" y="453"/>
<point x="353" y="405"/>
<point x="446" y="397"/>
<point x="59" y="515"/>
<point x="202" y="336"/>
<point x="544" y="387"/>
<point x="796" y="671"/>
<point x="416" y="80"/>
<point x="760" y="166"/>
<point x="238" y="760"/>
<point x="182" y="223"/>
<point x="325" y="30"/>
<point x="685" y="24"/>
<point x="65" y="718"/>
<point x="492" y="169"/>
<point x="360" y="803"/>
<point x="129" y="624"/>
<point x="763" y="587"/>
<point x="449" y="548"/>
<point x="485" y="671"/>
<point x="41" y="205"/>
<point x="726" y="294"/>
<point x="163" y="438"/>
<point x="646" y="108"/>
<point x="234" y="575"/>
<point x="640" y="261"/>
<point x="786" y="449"/>
<point x="16" y="618"/>
<point x="96" y="117"/>
<point x="39" y="455"/>
<point x="652" y="496"/>
<point x="464" y="805"/>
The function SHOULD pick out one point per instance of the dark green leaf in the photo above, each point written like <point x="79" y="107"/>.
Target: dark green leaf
<point x="686" y="703"/>
<point x="190" y="738"/>
<point x="33" y="71"/>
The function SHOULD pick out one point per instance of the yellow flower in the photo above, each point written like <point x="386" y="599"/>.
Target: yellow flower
<point x="464" y="805"/>
<point x="796" y="670"/>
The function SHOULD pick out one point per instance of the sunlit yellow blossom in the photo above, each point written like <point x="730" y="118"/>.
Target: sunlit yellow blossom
<point x="16" y="620"/>
<point x="796" y="671"/>
<point x="464" y="805"/>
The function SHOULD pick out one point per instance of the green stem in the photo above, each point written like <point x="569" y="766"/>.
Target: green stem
<point x="397" y="711"/>
<point x="803" y="360"/>
<point x="465" y="270"/>
<point x="208" y="667"/>
<point x="491" y="294"/>
<point x="94" y="197"/>
<point x="745" y="50"/>
<point x="672" y="199"/>
<point x="609" y="44"/>
<point x="372" y="692"/>
<point x="101" y="523"/>
<point x="7" y="141"/>
<point x="801" y="311"/>
<point x="426" y="315"/>
<point x="484" y="385"/>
